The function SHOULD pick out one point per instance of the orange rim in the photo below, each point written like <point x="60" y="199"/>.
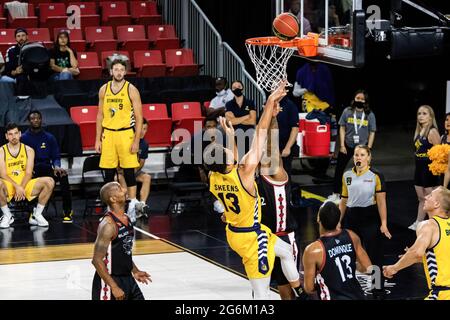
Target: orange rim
<point x="271" y="41"/>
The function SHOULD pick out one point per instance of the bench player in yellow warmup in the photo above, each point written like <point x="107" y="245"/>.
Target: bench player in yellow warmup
<point x="235" y="187"/>
<point x="16" y="170"/>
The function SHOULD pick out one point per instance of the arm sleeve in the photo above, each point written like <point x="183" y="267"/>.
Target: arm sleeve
<point x="380" y="183"/>
<point x="54" y="152"/>
<point x="343" y="118"/>
<point x="10" y="62"/>
<point x="372" y="122"/>
<point x="344" y="192"/>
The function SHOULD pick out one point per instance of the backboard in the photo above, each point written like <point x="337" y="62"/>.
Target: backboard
<point x="341" y="25"/>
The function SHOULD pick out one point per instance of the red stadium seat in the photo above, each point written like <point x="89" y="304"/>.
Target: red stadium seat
<point x="25" y="22"/>
<point x="145" y="12"/>
<point x="89" y="16"/>
<point x="52" y="15"/>
<point x="76" y="38"/>
<point x="100" y="38"/>
<point x="149" y="63"/>
<point x="188" y="116"/>
<point x="163" y="37"/>
<point x="89" y="66"/>
<point x="115" y="13"/>
<point x="85" y="117"/>
<point x="7" y="39"/>
<point x="41" y="35"/>
<point x="159" y="133"/>
<point x="180" y="62"/>
<point x="132" y="38"/>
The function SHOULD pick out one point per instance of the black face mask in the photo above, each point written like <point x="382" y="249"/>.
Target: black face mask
<point x="358" y="104"/>
<point x="237" y="92"/>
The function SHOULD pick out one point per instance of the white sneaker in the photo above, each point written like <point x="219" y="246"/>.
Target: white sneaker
<point x="335" y="197"/>
<point x="141" y="209"/>
<point x="413" y="226"/>
<point x="5" y="223"/>
<point x="38" y="220"/>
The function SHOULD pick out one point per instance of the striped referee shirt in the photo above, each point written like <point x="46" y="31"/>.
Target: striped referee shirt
<point x="361" y="189"/>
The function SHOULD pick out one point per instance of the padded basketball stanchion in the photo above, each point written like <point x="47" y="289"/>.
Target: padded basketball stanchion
<point x="270" y="56"/>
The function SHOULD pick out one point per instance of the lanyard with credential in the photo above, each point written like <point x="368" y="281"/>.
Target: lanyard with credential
<point x="362" y="121"/>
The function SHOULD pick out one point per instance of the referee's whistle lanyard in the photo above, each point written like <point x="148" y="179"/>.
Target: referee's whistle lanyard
<point x="361" y="124"/>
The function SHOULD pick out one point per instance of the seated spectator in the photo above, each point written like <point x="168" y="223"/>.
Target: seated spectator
<point x="47" y="161"/>
<point x="141" y="176"/>
<point x="2" y="69"/>
<point x="223" y="95"/>
<point x="16" y="169"/>
<point x="63" y="60"/>
<point x="13" y="71"/>
<point x="241" y="112"/>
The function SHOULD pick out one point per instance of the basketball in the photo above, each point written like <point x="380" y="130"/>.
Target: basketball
<point x="285" y="26"/>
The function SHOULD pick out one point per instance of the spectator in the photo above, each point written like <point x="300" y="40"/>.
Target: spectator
<point x="2" y="69"/>
<point x="16" y="169"/>
<point x="425" y="137"/>
<point x="13" y="71"/>
<point x="241" y="112"/>
<point x="223" y="95"/>
<point x="294" y="8"/>
<point x="288" y="131"/>
<point x="357" y="127"/>
<point x="63" y="60"/>
<point x="363" y="208"/>
<point x="446" y="139"/>
<point x="47" y="161"/>
<point x="141" y="176"/>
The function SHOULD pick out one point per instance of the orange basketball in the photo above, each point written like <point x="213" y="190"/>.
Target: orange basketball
<point x="285" y="26"/>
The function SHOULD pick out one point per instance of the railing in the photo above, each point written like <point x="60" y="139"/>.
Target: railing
<point x="216" y="56"/>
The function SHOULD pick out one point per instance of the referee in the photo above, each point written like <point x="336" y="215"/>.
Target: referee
<point x="363" y="207"/>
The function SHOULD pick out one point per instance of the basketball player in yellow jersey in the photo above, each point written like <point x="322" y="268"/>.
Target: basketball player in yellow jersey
<point x="432" y="246"/>
<point x="16" y="170"/>
<point x="119" y="123"/>
<point x="235" y="186"/>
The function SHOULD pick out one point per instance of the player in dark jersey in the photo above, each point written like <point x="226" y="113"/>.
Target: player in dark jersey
<point x="275" y="191"/>
<point x="330" y="262"/>
<point x="116" y="274"/>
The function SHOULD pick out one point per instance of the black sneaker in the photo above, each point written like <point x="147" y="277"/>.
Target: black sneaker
<point x="68" y="217"/>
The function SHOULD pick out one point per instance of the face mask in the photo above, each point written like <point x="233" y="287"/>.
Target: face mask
<point x="358" y="104"/>
<point x="237" y="92"/>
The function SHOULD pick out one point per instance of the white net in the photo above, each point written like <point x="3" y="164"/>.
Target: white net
<point x="270" y="61"/>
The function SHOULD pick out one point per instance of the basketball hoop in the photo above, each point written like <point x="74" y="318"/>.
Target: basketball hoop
<point x="270" y="56"/>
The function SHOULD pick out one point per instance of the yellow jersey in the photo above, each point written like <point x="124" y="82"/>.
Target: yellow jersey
<point x="16" y="165"/>
<point x="117" y="108"/>
<point x="437" y="260"/>
<point x="242" y="210"/>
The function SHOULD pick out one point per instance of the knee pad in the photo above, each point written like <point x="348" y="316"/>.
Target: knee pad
<point x="129" y="176"/>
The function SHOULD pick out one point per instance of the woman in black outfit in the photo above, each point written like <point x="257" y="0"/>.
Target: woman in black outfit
<point x="425" y="137"/>
<point x="445" y="139"/>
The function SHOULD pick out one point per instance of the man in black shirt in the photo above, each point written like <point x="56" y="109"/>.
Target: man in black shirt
<point x="116" y="274"/>
<point x="14" y="71"/>
<point x="330" y="262"/>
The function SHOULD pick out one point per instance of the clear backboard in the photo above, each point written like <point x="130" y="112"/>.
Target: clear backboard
<point x="340" y="24"/>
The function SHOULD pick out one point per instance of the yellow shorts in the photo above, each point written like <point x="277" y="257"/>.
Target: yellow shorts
<point x="258" y="261"/>
<point x="28" y="189"/>
<point x="441" y="295"/>
<point x="116" y="150"/>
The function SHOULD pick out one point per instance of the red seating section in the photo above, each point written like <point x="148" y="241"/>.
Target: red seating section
<point x="89" y="66"/>
<point x="149" y="63"/>
<point x="180" y="62"/>
<point x="159" y="133"/>
<point x="187" y="116"/>
<point x="85" y="117"/>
